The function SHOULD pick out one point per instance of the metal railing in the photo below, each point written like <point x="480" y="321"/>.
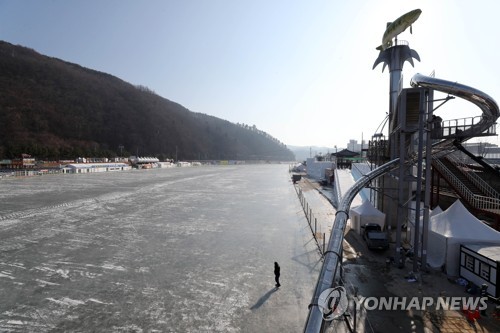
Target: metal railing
<point x="457" y="126"/>
<point x="477" y="201"/>
<point x="318" y="234"/>
<point x="486" y="203"/>
<point x="471" y="175"/>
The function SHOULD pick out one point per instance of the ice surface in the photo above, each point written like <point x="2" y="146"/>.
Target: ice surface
<point x="181" y="249"/>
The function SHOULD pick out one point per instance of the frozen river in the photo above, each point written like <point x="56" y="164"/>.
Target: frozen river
<point x="172" y="250"/>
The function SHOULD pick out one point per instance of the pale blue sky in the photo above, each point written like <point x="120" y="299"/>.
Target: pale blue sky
<point x="300" y="70"/>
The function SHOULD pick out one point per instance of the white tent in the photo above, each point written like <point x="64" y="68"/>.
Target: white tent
<point x="435" y="211"/>
<point x="411" y="226"/>
<point x="448" y="230"/>
<point x="365" y="213"/>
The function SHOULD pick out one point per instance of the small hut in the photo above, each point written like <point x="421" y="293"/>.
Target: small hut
<point x="344" y="158"/>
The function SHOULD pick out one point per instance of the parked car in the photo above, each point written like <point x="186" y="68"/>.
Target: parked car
<point x="374" y="236"/>
<point x="296" y="178"/>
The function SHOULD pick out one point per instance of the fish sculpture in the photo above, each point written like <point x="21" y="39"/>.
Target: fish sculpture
<point x="395" y="28"/>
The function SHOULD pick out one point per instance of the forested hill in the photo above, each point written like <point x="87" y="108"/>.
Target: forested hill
<point x="53" y="109"/>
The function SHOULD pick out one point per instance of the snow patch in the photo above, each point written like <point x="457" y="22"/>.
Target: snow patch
<point x="6" y="275"/>
<point x="46" y="283"/>
<point x="113" y="267"/>
<point x="97" y="301"/>
<point x="66" y="301"/>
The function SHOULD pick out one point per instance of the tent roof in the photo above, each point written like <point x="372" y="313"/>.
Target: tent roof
<point x="345" y="153"/>
<point x="458" y="222"/>
<point x="366" y="208"/>
<point x="435" y="211"/>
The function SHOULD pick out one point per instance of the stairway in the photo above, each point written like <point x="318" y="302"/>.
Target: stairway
<point x="457" y="172"/>
<point x="475" y="192"/>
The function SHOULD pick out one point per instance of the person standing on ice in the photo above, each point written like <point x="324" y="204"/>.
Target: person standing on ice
<point x="277" y="274"/>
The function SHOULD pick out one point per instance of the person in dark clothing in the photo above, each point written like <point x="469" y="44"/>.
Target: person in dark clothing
<point x="277" y="274"/>
<point x="436" y="132"/>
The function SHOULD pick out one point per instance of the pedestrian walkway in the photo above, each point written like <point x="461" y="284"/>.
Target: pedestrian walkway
<point x="367" y="274"/>
<point x="318" y="209"/>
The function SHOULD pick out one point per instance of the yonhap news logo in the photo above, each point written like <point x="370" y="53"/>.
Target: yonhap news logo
<point x="334" y="302"/>
<point x="421" y="303"/>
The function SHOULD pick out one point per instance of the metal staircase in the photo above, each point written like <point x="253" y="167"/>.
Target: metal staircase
<point x="470" y="187"/>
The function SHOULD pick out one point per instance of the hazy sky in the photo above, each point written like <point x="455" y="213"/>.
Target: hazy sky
<point x="299" y="70"/>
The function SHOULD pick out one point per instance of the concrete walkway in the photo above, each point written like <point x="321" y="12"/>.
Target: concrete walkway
<point x="318" y="209"/>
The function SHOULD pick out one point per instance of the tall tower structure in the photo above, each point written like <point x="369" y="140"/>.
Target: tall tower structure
<point x="406" y="119"/>
<point x="394" y="58"/>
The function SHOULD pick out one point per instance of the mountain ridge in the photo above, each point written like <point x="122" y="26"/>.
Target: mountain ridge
<point x="51" y="108"/>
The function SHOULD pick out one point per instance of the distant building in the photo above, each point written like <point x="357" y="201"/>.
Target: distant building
<point x="488" y="151"/>
<point x="94" y="167"/>
<point x="24" y="162"/>
<point x="144" y="162"/>
<point x="344" y="158"/>
<point x="317" y="169"/>
<point x="353" y="145"/>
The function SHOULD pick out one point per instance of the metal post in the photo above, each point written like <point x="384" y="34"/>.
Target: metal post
<point x="355" y="310"/>
<point x="401" y="196"/>
<point x="428" y="177"/>
<point x="324" y="243"/>
<point x="421" y="123"/>
<point x="306" y="210"/>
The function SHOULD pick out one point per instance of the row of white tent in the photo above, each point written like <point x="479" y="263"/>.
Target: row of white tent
<point x="447" y="231"/>
<point x="450" y="228"/>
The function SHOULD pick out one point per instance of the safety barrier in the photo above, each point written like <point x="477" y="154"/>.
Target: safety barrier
<point x="319" y="236"/>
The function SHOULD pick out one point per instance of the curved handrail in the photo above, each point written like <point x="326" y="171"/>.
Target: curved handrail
<point x="333" y="255"/>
